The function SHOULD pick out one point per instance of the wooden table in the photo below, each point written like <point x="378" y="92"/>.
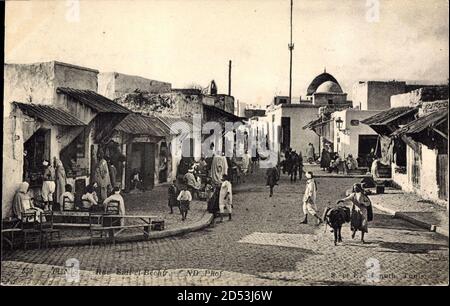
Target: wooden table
<point x="145" y="225"/>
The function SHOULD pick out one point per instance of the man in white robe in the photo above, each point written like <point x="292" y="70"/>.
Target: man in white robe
<point x="309" y="199"/>
<point x="225" y="199"/>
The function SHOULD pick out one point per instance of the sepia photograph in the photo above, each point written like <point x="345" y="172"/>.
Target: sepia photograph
<point x="264" y="144"/>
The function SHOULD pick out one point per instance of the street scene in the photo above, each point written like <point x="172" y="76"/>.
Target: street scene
<point x="152" y="152"/>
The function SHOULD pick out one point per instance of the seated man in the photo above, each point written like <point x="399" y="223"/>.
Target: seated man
<point x="67" y="199"/>
<point x="136" y="181"/>
<point x="116" y="197"/>
<point x="90" y="199"/>
<point x="351" y="163"/>
<point x="22" y="203"/>
<point x="368" y="181"/>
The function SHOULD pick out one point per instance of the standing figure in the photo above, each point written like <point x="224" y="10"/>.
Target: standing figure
<point x="300" y="166"/>
<point x="245" y="162"/>
<point x="309" y="199"/>
<point x="185" y="199"/>
<point x="361" y="211"/>
<point x="163" y="169"/>
<point x="325" y="159"/>
<point x="102" y="176"/>
<point x="48" y="185"/>
<point x="294" y="166"/>
<point x="272" y="178"/>
<point x="374" y="168"/>
<point x="112" y="174"/>
<point x="213" y="201"/>
<point x="310" y="153"/>
<point x="61" y="180"/>
<point x="219" y="168"/>
<point x="172" y="193"/>
<point x="288" y="161"/>
<point x="225" y="199"/>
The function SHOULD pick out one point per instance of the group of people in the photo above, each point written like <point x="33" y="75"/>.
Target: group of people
<point x="23" y="202"/>
<point x="57" y="194"/>
<point x="332" y="162"/>
<point x="292" y="164"/>
<point x="361" y="212"/>
<point x="212" y="178"/>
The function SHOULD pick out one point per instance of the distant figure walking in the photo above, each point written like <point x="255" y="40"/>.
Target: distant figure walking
<point x="225" y="199"/>
<point x="172" y="194"/>
<point x="309" y="199"/>
<point x="185" y="199"/>
<point x="272" y="179"/>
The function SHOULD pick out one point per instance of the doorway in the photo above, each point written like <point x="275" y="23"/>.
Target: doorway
<point x="37" y="148"/>
<point x="365" y="145"/>
<point x="285" y="133"/>
<point x="142" y="160"/>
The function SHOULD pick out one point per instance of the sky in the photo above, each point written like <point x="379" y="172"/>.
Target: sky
<point x="191" y="41"/>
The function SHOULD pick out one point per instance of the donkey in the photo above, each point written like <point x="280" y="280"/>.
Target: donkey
<point x="335" y="217"/>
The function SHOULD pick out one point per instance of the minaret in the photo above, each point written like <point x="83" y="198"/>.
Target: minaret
<point x="291" y="47"/>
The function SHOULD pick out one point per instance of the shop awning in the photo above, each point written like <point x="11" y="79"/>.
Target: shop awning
<point x="137" y="124"/>
<point x="390" y="115"/>
<point x="177" y="123"/>
<point x="422" y="123"/>
<point x="312" y="123"/>
<point x="97" y="102"/>
<point x="221" y="112"/>
<point x="315" y="123"/>
<point x="49" y="114"/>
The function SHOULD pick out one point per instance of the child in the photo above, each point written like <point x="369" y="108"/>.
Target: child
<point x="185" y="198"/>
<point x="67" y="199"/>
<point x="226" y="199"/>
<point x="172" y="196"/>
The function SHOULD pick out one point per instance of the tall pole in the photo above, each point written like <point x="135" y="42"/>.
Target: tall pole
<point x="291" y="47"/>
<point x="229" y="78"/>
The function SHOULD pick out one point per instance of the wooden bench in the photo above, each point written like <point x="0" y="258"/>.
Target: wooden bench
<point x="71" y="218"/>
<point x="114" y="231"/>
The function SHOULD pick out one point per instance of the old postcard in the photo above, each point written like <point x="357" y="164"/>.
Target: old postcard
<point x="232" y="143"/>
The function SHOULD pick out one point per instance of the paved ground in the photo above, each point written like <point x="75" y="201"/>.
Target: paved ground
<point x="413" y="206"/>
<point x="264" y="244"/>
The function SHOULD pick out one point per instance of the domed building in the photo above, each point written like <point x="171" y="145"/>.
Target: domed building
<point x="286" y="120"/>
<point x="325" y="90"/>
<point x="319" y="80"/>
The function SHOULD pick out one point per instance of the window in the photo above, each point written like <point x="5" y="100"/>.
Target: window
<point x="354" y="122"/>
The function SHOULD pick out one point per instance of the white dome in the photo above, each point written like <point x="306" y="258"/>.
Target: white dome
<point x="329" y="87"/>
